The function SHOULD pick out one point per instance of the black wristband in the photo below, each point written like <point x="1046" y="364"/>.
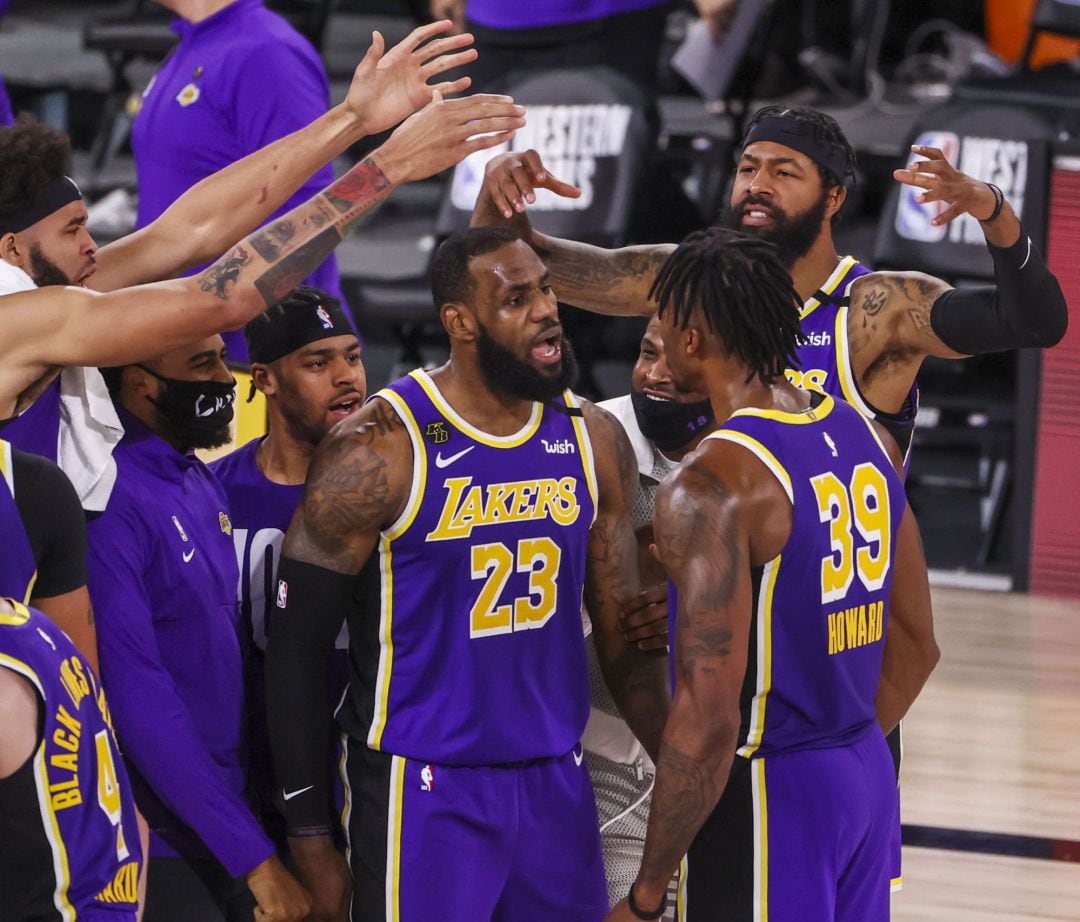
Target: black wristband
<point x="641" y="913"/>
<point x="305" y="832"/>
<point x="999" y="203"/>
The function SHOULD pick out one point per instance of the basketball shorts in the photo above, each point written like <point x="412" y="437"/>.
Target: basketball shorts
<point x="797" y="837"/>
<point x="461" y="844"/>
<point x="896" y="751"/>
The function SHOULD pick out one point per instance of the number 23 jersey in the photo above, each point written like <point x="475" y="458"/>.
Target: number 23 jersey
<point x="467" y="646"/>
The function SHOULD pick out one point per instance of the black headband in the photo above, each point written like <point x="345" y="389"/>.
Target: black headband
<point x="274" y="335"/>
<point x="780" y="129"/>
<point x="57" y="193"/>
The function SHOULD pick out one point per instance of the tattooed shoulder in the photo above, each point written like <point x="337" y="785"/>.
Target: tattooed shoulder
<point x="607" y="432"/>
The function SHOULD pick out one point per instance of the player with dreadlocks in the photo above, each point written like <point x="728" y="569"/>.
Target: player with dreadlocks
<point x="795" y="560"/>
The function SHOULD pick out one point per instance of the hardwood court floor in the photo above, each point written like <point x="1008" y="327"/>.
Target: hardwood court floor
<point x="993" y="746"/>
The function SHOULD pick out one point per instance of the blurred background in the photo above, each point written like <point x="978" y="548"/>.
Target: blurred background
<point x="997" y="82"/>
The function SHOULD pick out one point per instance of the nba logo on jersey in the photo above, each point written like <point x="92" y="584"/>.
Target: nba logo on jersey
<point x="427" y="778"/>
<point x="324" y="318"/>
<point x="282" y="593"/>
<point x="912" y="217"/>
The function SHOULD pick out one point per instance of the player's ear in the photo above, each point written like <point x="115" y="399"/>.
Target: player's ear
<point x="834" y="199"/>
<point x="9" y="250"/>
<point x="263" y="379"/>
<point x="458" y="320"/>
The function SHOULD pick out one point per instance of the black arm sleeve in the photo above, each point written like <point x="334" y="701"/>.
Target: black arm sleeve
<point x="1026" y="309"/>
<point x="54" y="522"/>
<point x="311" y="604"/>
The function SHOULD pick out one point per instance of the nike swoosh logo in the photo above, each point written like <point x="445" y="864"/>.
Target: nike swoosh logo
<point x="187" y="557"/>
<point x="579" y="757"/>
<point x="289" y="795"/>
<point x="441" y="462"/>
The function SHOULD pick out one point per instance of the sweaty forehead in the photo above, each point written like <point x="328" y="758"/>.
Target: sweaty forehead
<point x="509" y="266"/>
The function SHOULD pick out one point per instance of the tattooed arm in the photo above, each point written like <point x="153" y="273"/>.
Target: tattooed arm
<point x="216" y="212"/>
<point x="613" y="282"/>
<point x="73" y="326"/>
<point x="358" y="483"/>
<point x="637" y="679"/>
<point x="704" y="544"/>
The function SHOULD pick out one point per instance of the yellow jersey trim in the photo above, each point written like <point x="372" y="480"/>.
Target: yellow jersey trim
<point x="843" y="366"/>
<point x="896" y="884"/>
<point x="520" y="437"/>
<point x="763" y="454"/>
<point x="811" y="304"/>
<point x="680" y="894"/>
<point x="769" y="575"/>
<point x="393" y="838"/>
<point x="419" y="478"/>
<point x="761" y="841"/>
<point x="386" y="645"/>
<point x="61" y="870"/>
<point x="809" y="415"/>
<point x="6" y="467"/>
<point x="588" y="459"/>
<point x="347" y="800"/>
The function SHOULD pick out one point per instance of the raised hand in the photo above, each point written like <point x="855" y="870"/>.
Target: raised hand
<point x="387" y="88"/>
<point x="945" y="183"/>
<point x="445" y="132"/>
<point x="511" y="181"/>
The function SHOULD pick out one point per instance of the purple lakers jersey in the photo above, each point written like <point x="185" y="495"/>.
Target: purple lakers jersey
<point x="467" y="646"/>
<point x="37" y="429"/>
<point x="260" y="511"/>
<point x="71" y="846"/>
<point x="18" y="570"/>
<point x="821" y="606"/>
<point x="825" y="354"/>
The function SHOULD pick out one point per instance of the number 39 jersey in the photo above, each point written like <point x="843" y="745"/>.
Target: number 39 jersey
<point x="466" y="644"/>
<point x="821" y="606"/>
<point x="67" y="818"/>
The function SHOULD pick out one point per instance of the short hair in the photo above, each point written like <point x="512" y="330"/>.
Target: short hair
<point x="744" y="292"/>
<point x="450" y="277"/>
<point x="31" y="155"/>
<point x="825" y="130"/>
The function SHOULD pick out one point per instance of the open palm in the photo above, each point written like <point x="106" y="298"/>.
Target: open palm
<point x="387" y="88"/>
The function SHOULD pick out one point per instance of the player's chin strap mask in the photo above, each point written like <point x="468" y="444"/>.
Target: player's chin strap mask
<point x="780" y="129"/>
<point x="669" y="424"/>
<point x="57" y="193"/>
<point x="197" y="405"/>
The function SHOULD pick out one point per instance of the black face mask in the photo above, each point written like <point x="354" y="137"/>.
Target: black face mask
<point x="669" y="424"/>
<point x="198" y="413"/>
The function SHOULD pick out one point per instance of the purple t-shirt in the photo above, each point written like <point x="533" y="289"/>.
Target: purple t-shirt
<point x="6" y="115"/>
<point x="498" y="14"/>
<point x="237" y="81"/>
<point x="162" y="578"/>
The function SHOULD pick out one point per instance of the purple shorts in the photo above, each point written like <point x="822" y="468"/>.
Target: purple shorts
<point x="798" y="837"/>
<point x="509" y="843"/>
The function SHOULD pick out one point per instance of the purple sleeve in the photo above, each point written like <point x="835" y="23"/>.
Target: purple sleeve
<point x="6" y="115"/>
<point x="152" y="723"/>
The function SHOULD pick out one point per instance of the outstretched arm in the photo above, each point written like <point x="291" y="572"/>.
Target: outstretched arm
<point x="612" y="282"/>
<point x="73" y="326"/>
<point x="216" y="212"/>
<point x="637" y="679"/>
<point x="907" y="315"/>
<point x="704" y="545"/>
<point x="358" y="482"/>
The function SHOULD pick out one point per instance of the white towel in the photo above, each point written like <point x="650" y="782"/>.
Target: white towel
<point x="89" y="426"/>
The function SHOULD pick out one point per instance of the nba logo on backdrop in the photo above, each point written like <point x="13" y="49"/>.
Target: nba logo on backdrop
<point x="912" y="217"/>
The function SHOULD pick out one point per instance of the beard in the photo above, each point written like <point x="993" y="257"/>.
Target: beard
<point x="792" y="235"/>
<point x="187" y="436"/>
<point x="504" y="373"/>
<point x="44" y="271"/>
